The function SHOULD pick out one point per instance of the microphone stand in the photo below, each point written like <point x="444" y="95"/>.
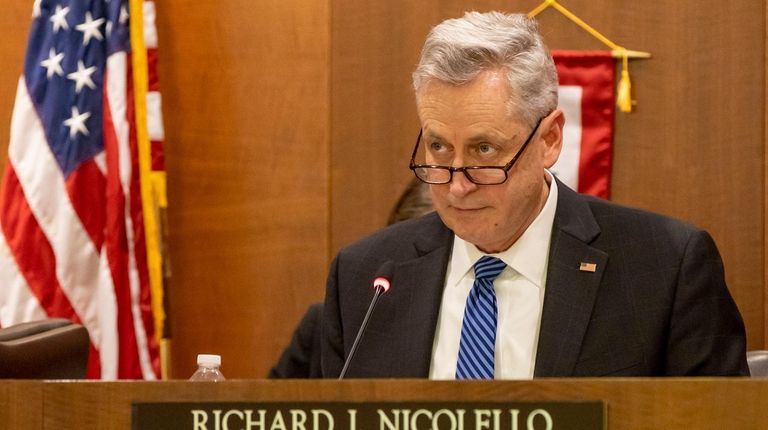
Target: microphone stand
<point x="379" y="291"/>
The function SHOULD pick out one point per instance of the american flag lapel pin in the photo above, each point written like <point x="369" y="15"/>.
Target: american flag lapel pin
<point x="588" y="267"/>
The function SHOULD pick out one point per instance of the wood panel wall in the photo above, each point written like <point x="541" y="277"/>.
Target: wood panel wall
<point x="289" y="126"/>
<point x="13" y="45"/>
<point x="246" y="101"/>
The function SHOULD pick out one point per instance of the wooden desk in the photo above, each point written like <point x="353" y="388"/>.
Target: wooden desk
<point x="633" y="404"/>
<point x="21" y="405"/>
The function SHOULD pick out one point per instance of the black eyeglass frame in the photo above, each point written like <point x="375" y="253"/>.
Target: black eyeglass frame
<point x="466" y="169"/>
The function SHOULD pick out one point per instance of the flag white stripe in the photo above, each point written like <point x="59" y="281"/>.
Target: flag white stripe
<point x="155" y="116"/>
<point x="17" y="302"/>
<point x="101" y="162"/>
<point x="116" y="91"/>
<point x="567" y="166"/>
<point x="150" y="32"/>
<point x="108" y="333"/>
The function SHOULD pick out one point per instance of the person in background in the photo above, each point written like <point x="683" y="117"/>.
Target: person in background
<point x="414" y="202"/>
<point x="517" y="276"/>
<point x="301" y="359"/>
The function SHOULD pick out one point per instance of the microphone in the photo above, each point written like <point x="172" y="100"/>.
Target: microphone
<point x="380" y="285"/>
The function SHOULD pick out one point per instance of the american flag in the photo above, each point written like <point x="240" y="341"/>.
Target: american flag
<point x="73" y="240"/>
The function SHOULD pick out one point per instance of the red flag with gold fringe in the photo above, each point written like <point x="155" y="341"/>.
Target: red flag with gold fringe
<point x="586" y="95"/>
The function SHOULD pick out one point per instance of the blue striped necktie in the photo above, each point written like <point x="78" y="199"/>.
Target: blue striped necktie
<point x="478" y="331"/>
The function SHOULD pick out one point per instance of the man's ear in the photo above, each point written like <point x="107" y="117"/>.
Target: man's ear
<point x="552" y="135"/>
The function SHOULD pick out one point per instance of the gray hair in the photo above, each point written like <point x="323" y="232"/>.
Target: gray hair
<point x="457" y="50"/>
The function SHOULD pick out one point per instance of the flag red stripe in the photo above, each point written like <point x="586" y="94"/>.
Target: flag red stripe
<point x="116" y="244"/>
<point x="140" y="252"/>
<point x="597" y="128"/>
<point x="153" y="81"/>
<point x="85" y="187"/>
<point x="158" y="157"/>
<point x="596" y="159"/>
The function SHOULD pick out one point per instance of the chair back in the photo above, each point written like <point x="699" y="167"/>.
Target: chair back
<point x="54" y="348"/>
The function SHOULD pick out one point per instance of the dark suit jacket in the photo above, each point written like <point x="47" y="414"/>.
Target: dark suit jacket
<point x="301" y="359"/>
<point x="657" y="303"/>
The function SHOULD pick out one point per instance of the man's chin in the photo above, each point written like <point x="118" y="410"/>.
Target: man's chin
<point x="472" y="237"/>
<point x="469" y="228"/>
<point x="470" y="221"/>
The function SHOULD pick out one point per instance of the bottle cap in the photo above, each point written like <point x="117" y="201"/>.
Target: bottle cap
<point x="209" y="359"/>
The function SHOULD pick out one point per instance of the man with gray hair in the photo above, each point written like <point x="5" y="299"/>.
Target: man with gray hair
<point x="517" y="276"/>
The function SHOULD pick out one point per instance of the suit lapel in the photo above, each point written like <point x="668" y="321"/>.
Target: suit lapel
<point x="417" y="289"/>
<point x="571" y="289"/>
<point x="426" y="278"/>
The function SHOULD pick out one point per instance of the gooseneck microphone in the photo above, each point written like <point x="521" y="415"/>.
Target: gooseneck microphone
<point x="380" y="285"/>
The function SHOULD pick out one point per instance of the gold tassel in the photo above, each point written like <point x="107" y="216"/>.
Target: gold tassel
<point x="624" y="93"/>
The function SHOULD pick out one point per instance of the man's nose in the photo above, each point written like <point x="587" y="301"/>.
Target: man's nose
<point x="461" y="185"/>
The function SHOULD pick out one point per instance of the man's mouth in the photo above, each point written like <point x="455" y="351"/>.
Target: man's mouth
<point x="466" y="209"/>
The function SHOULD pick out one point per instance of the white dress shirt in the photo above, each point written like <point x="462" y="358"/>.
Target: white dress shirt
<point x="519" y="296"/>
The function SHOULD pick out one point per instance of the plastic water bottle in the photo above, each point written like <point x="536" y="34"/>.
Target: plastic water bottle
<point x="208" y="368"/>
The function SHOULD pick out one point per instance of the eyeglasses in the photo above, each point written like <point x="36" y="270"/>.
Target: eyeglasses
<point x="481" y="175"/>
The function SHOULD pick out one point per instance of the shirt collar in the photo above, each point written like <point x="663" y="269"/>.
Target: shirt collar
<point x="528" y="256"/>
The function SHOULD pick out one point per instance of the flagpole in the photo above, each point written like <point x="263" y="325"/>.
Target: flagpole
<point x="153" y="190"/>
